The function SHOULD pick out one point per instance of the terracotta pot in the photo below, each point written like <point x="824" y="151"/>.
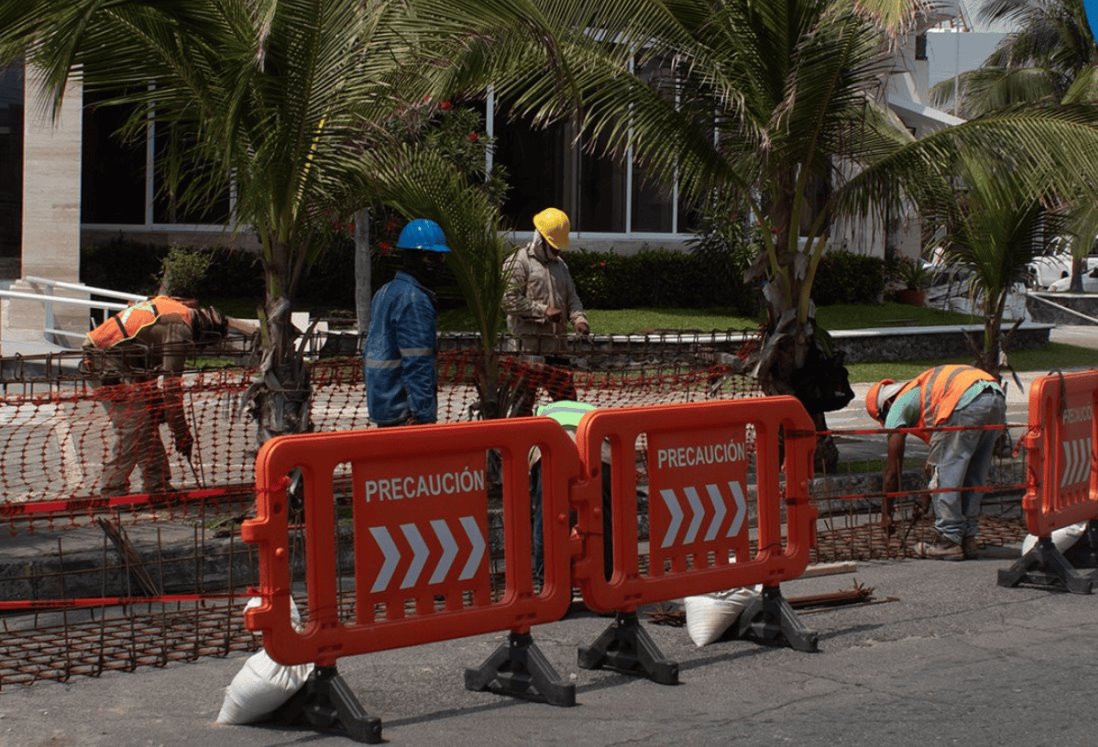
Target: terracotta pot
<point x="912" y="297"/>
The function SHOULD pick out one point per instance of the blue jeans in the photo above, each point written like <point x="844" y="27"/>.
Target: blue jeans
<point x="961" y="459"/>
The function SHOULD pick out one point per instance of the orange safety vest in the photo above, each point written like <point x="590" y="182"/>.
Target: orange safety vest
<point x="942" y="389"/>
<point x="129" y="321"/>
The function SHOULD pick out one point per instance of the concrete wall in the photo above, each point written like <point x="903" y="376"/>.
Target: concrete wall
<point x="51" y="184"/>
<point x="51" y="208"/>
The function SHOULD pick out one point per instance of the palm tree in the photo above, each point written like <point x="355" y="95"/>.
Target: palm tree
<point x="993" y="234"/>
<point x="1051" y="57"/>
<point x="756" y="106"/>
<point x="283" y="100"/>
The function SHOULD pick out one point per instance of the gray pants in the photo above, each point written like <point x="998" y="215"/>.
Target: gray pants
<point x="961" y="460"/>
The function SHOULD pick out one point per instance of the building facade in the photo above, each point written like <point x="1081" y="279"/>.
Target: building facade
<point x="74" y="181"/>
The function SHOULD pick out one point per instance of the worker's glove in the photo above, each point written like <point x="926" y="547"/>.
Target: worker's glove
<point x="184" y="443"/>
<point x="553" y="314"/>
<point x="583" y="328"/>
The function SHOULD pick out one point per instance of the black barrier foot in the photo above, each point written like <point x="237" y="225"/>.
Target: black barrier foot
<point x="626" y="647"/>
<point x="326" y="703"/>
<point x="771" y="619"/>
<point x="519" y="669"/>
<point x="1045" y="565"/>
<point x="1084" y="553"/>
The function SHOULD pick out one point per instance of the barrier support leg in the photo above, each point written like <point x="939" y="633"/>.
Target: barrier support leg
<point x="1045" y="565"/>
<point x="326" y="703"/>
<point x="519" y="669"/>
<point x="771" y="619"/>
<point x="626" y="647"/>
<point x="1084" y="553"/>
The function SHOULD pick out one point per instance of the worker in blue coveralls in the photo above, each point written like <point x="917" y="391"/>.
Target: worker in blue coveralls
<point x="568" y="414"/>
<point x="401" y="378"/>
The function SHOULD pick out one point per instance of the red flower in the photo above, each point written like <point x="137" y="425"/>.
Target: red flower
<point x="473" y="137"/>
<point x="384" y="247"/>
<point x="602" y="264"/>
<point x="446" y="105"/>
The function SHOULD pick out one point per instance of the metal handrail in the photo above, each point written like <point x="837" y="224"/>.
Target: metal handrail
<point x="82" y="288"/>
<point x="50" y="332"/>
<point x="64" y="300"/>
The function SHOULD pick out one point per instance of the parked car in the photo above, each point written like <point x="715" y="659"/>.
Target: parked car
<point x="1090" y="283"/>
<point x="1054" y="266"/>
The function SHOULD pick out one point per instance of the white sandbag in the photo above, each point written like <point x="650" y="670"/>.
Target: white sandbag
<point x="708" y="616"/>
<point x="262" y="684"/>
<point x="1063" y="538"/>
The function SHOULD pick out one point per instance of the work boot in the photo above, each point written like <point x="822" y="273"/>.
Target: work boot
<point x="970" y="548"/>
<point x="942" y="549"/>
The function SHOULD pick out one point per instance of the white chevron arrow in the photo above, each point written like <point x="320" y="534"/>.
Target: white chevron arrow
<point x="676" y="517"/>
<point x="392" y="557"/>
<point x="472" y="531"/>
<point x="1065" y="474"/>
<point x="699" y="514"/>
<point x="420" y="551"/>
<point x="741" y="509"/>
<point x="1075" y="461"/>
<point x="449" y="550"/>
<point x="1084" y="460"/>
<point x="719" y="511"/>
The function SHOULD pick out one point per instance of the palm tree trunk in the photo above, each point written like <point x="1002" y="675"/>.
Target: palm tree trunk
<point x="363" y="291"/>
<point x="279" y="397"/>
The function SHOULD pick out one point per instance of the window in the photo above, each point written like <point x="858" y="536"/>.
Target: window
<point x="548" y="167"/>
<point x="123" y="181"/>
<point x="11" y="169"/>
<point x="168" y="206"/>
<point x="112" y="174"/>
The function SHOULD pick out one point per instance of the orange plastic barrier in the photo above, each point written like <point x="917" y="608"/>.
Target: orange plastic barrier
<point x="1062" y="479"/>
<point x="420" y="517"/>
<point x="1062" y="486"/>
<point x="421" y="561"/>
<point x="698" y="463"/>
<point x="698" y="511"/>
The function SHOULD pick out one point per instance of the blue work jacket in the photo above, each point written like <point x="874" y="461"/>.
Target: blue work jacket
<point x="400" y="354"/>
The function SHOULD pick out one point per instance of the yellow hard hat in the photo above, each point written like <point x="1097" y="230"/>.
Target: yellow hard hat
<point x="553" y="225"/>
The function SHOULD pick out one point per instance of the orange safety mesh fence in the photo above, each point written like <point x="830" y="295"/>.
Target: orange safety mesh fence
<point x="93" y="583"/>
<point x="71" y="449"/>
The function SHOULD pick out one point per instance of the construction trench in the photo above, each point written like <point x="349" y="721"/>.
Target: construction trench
<point x="95" y="583"/>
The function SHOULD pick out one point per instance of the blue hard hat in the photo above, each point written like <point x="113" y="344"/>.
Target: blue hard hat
<point x="423" y="234"/>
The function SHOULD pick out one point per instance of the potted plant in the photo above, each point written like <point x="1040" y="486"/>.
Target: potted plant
<point x="915" y="278"/>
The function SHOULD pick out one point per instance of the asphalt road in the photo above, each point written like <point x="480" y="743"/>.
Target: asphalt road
<point x="955" y="659"/>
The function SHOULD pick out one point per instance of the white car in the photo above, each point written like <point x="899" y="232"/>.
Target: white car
<point x="1048" y="269"/>
<point x="1090" y="282"/>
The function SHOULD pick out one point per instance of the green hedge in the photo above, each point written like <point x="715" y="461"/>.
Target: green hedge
<point x="844" y="277"/>
<point x="135" y="267"/>
<point x="653" y="278"/>
<point x="656" y="278"/>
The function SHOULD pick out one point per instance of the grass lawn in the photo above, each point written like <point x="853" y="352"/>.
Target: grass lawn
<point x="1055" y="356"/>
<point x="628" y="321"/>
